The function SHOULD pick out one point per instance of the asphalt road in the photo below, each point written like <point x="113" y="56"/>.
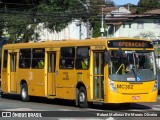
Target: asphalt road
<point x="65" y="110"/>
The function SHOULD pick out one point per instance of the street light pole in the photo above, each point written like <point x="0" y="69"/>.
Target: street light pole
<point x="102" y="23"/>
<point x="88" y="23"/>
<point x="87" y="5"/>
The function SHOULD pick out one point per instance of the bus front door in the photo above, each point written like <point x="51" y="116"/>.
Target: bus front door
<point x="98" y="76"/>
<point x="51" y="88"/>
<point x="13" y="59"/>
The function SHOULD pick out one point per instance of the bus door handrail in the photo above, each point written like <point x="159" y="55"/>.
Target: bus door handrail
<point x="123" y="68"/>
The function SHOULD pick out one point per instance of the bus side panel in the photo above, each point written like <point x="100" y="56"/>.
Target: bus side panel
<point x="88" y="83"/>
<point x="22" y="74"/>
<point x="4" y="81"/>
<point x="65" y="84"/>
<point x="67" y="81"/>
<point x="36" y="85"/>
<point x="106" y="84"/>
<point x="34" y="79"/>
<point x="65" y="93"/>
<point x="36" y="90"/>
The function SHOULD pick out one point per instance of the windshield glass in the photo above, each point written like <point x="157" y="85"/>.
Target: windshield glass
<point x="132" y="65"/>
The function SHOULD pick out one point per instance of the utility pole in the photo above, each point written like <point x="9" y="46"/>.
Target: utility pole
<point x="128" y="7"/>
<point x="80" y="28"/>
<point x="87" y="5"/>
<point x="102" y="23"/>
<point x="88" y="23"/>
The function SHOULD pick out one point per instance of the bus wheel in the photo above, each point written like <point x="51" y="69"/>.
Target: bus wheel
<point x="82" y="98"/>
<point x="24" y="92"/>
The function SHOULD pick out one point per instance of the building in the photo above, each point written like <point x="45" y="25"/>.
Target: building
<point x="75" y="30"/>
<point x="121" y="23"/>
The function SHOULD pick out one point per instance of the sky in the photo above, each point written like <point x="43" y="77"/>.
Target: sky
<point x="122" y="2"/>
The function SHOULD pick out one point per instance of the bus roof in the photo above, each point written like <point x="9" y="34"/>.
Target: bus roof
<point x="61" y="43"/>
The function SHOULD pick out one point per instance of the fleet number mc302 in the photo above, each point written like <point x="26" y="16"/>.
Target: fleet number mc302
<point x="122" y="86"/>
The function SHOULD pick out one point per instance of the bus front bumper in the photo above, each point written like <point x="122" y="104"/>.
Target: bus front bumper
<point x="114" y="97"/>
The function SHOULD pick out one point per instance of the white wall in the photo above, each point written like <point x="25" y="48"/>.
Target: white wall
<point x="72" y="31"/>
<point x="134" y="31"/>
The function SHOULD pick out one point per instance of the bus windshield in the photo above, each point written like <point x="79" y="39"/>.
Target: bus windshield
<point x="137" y="65"/>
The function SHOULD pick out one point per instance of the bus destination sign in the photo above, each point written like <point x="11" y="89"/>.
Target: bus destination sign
<point x="130" y="44"/>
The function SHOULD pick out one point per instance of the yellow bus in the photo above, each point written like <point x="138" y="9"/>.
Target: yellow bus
<point x="97" y="70"/>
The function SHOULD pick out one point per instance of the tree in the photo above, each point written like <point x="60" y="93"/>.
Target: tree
<point x="57" y="14"/>
<point x="54" y="14"/>
<point x="144" y="5"/>
<point x="16" y="25"/>
<point x="147" y="35"/>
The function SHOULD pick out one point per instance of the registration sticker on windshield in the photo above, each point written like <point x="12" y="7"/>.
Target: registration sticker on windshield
<point x="135" y="97"/>
<point x="131" y="79"/>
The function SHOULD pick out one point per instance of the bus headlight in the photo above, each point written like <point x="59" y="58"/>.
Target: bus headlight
<point x="155" y="85"/>
<point x="112" y="86"/>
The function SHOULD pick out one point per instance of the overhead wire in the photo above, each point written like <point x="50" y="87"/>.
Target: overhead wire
<point x="76" y="13"/>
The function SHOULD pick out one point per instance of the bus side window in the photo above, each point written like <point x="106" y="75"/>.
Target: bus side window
<point x="38" y="58"/>
<point x="63" y="64"/>
<point x="82" y="57"/>
<point x="24" y="58"/>
<point x="67" y="58"/>
<point x="40" y="63"/>
<point x="5" y="58"/>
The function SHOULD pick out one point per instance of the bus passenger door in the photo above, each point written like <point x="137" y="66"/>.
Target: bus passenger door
<point x="51" y="88"/>
<point x="13" y="59"/>
<point x="98" y="76"/>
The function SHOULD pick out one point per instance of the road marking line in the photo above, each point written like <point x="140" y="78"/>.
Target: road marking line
<point x="157" y="105"/>
<point x="156" y="109"/>
<point x="94" y="109"/>
<point x="135" y="110"/>
<point x="21" y="109"/>
<point x="110" y="118"/>
<point x="67" y="110"/>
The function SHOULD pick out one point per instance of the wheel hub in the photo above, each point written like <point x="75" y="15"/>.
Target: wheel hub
<point x="24" y="93"/>
<point x="81" y="97"/>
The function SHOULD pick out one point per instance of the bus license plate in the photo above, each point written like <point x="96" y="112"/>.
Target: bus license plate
<point x="135" y="97"/>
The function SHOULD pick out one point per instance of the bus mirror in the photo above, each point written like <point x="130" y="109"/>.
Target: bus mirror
<point x="107" y="57"/>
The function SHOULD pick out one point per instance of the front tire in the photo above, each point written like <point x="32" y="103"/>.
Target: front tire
<point x="24" y="92"/>
<point x="82" y="98"/>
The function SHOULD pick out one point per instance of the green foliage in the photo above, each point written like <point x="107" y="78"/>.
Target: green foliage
<point x="158" y="50"/>
<point x="16" y="25"/>
<point x="58" y="14"/>
<point x="144" y="5"/>
<point x="97" y="26"/>
<point x="55" y="14"/>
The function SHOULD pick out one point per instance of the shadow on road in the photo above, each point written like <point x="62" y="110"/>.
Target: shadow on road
<point x="11" y="96"/>
<point x="71" y="103"/>
<point x="122" y="106"/>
